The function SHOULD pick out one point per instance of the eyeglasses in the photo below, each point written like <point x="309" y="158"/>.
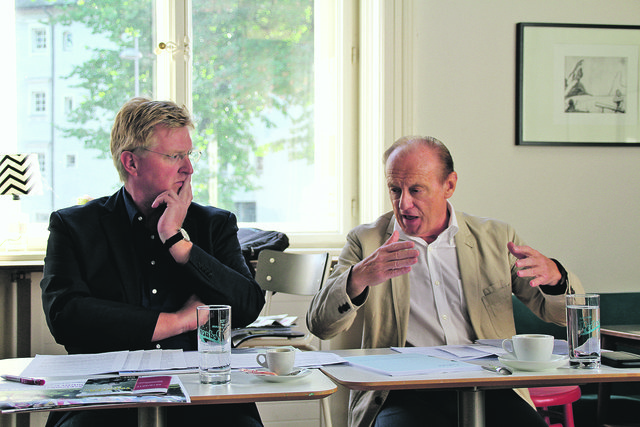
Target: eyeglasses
<point x="194" y="155"/>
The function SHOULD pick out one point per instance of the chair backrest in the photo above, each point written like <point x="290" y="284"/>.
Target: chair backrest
<point x="292" y="273"/>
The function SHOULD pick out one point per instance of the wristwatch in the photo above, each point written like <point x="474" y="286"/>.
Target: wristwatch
<point x="180" y="235"/>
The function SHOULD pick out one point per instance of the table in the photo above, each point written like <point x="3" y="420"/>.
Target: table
<point x="242" y="389"/>
<point x="470" y="384"/>
<point x="615" y="335"/>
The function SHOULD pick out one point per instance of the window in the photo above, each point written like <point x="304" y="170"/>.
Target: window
<point x="267" y="100"/>
<point x="72" y="103"/>
<point x="270" y="86"/>
<point x="67" y="41"/>
<point x="245" y="211"/>
<point x="68" y="105"/>
<point x="41" y="163"/>
<point x="39" y="39"/>
<point x="39" y="102"/>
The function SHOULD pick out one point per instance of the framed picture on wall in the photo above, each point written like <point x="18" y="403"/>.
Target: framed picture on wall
<point x="577" y="84"/>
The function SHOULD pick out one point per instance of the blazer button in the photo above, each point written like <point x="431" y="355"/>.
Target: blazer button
<point x="343" y="308"/>
<point x="378" y="400"/>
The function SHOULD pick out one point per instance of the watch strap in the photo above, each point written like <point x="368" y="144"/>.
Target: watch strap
<point x="173" y="240"/>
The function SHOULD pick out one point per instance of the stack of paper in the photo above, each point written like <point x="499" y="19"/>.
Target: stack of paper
<point x="142" y="362"/>
<point x="152" y="362"/>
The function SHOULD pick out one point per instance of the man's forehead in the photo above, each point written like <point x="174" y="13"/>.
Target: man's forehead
<point x="166" y="135"/>
<point x="396" y="177"/>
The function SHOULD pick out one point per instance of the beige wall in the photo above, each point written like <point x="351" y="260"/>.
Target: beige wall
<point x="579" y="204"/>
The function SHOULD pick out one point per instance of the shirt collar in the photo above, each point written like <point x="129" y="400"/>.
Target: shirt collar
<point x="446" y="235"/>
<point x="130" y="206"/>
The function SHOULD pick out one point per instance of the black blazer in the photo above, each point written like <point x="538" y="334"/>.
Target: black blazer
<point x="91" y="290"/>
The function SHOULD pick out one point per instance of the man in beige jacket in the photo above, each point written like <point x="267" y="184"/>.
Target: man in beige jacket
<point x="462" y="270"/>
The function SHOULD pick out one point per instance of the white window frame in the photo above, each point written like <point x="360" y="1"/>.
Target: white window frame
<point x="385" y="97"/>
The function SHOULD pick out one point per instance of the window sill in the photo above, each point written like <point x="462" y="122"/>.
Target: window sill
<point x="21" y="258"/>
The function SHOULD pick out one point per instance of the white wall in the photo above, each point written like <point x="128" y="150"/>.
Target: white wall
<point x="578" y="204"/>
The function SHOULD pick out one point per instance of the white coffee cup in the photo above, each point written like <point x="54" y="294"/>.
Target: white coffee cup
<point x="278" y="360"/>
<point x="530" y="347"/>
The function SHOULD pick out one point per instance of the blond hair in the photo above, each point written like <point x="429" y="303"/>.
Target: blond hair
<point x="135" y="124"/>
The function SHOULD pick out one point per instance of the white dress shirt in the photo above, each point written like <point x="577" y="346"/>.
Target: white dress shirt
<point x="438" y="310"/>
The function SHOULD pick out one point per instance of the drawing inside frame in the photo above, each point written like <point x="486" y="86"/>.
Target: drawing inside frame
<point x="577" y="84"/>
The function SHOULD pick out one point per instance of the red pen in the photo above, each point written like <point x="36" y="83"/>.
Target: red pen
<point x="24" y="380"/>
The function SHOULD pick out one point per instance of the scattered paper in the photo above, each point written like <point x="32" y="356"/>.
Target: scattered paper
<point x="16" y="397"/>
<point x="409" y="364"/>
<point x="273" y="320"/>
<point x="454" y="352"/>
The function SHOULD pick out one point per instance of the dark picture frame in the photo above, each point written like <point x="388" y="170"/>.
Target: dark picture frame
<point x="577" y="84"/>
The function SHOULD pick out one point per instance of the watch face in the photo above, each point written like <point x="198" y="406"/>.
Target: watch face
<point x="185" y="236"/>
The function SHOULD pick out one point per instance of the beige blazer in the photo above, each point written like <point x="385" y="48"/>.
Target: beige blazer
<point x="488" y="279"/>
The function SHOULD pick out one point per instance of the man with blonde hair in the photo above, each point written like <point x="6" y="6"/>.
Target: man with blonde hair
<point x="426" y="275"/>
<point x="126" y="272"/>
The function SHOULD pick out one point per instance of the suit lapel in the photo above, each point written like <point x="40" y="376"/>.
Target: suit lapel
<point x="468" y="264"/>
<point x="401" y="292"/>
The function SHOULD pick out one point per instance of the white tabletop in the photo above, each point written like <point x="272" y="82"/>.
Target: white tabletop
<point x="470" y="384"/>
<point x="362" y="379"/>
<point x="242" y="388"/>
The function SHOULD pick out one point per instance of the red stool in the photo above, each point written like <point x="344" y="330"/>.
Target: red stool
<point x="545" y="397"/>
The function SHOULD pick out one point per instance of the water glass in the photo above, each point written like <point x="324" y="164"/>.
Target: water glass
<point x="214" y="343"/>
<point x="583" y="330"/>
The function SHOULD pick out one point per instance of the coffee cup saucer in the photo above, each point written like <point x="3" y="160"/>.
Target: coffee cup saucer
<point x="294" y="375"/>
<point x="556" y="361"/>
